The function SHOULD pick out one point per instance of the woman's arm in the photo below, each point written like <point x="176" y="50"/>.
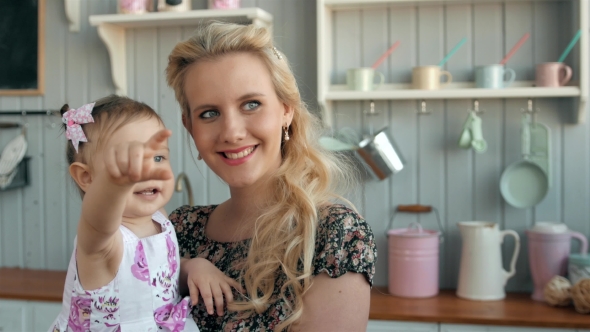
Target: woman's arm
<point x="336" y="304"/>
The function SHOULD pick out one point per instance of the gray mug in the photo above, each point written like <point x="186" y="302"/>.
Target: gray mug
<point x="493" y="76"/>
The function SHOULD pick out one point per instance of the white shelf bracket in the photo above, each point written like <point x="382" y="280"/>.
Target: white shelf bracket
<point x="73" y="14"/>
<point x="114" y="39"/>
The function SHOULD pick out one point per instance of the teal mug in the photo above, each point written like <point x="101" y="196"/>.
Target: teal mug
<point x="493" y="77"/>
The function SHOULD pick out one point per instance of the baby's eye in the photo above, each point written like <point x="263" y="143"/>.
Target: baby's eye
<point x="158" y="158"/>
<point x="251" y="105"/>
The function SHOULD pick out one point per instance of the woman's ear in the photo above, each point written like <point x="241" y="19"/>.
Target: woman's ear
<point x="288" y="114"/>
<point x="81" y="174"/>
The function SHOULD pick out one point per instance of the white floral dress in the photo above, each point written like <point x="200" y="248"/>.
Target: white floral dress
<point x="142" y="297"/>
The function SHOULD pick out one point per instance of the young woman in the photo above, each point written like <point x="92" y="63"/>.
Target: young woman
<point x="305" y="262"/>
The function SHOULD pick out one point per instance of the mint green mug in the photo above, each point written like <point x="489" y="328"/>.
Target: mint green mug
<point x="362" y="79"/>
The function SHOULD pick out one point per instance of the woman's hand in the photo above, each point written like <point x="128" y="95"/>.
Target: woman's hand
<point x="208" y="281"/>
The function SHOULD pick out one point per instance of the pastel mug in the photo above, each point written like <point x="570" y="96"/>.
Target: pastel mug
<point x="493" y="76"/>
<point x="363" y="79"/>
<point x="553" y="74"/>
<point x="428" y="77"/>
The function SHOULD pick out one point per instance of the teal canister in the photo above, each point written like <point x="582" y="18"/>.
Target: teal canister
<point x="578" y="267"/>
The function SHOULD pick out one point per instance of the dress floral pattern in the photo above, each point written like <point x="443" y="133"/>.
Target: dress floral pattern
<point x="143" y="296"/>
<point x="344" y="242"/>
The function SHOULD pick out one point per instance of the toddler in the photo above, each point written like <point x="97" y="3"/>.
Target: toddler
<point x="123" y="273"/>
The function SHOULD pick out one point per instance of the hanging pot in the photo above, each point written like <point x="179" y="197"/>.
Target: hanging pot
<point x="380" y="155"/>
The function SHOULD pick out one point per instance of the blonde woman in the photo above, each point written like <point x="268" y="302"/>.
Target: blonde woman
<point x="304" y="262"/>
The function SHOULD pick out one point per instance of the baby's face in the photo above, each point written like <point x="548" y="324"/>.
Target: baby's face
<point x="149" y="196"/>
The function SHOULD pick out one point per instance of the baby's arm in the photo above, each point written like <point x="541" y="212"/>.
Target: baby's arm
<point x="117" y="169"/>
<point x="205" y="279"/>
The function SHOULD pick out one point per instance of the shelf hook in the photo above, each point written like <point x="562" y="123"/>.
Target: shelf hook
<point x="476" y="107"/>
<point x="423" y="110"/>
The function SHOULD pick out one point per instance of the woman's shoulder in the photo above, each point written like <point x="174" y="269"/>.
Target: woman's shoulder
<point x="344" y="242"/>
<point x="340" y="216"/>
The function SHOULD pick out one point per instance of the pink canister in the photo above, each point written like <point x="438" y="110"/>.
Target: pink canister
<point x="413" y="258"/>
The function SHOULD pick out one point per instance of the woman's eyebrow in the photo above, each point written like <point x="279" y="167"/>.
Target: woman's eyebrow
<point x="251" y="95"/>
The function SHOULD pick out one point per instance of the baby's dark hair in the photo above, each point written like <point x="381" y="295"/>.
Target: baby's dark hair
<point x="109" y="113"/>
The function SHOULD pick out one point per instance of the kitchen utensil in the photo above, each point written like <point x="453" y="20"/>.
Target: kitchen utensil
<point x="12" y="154"/>
<point x="363" y="79"/>
<point x="453" y="51"/>
<point x="493" y="77"/>
<point x="578" y="267"/>
<point x="570" y="46"/>
<point x="380" y="155"/>
<point x="224" y="4"/>
<point x="333" y="144"/>
<point x="552" y="74"/>
<point x="385" y="55"/>
<point x="413" y="256"/>
<point x="174" y="5"/>
<point x="549" y="247"/>
<point x="134" y="6"/>
<point x="481" y="275"/>
<point x="428" y="78"/>
<point x="515" y="48"/>
<point x="525" y="183"/>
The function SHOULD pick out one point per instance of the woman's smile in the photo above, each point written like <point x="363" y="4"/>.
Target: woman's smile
<point x="238" y="156"/>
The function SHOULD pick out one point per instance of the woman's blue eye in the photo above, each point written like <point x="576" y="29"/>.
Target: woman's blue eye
<point x="158" y="158"/>
<point x="251" y="105"/>
<point x="208" y="114"/>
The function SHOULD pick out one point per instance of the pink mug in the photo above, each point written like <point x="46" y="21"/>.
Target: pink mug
<point x="224" y="4"/>
<point x="553" y="74"/>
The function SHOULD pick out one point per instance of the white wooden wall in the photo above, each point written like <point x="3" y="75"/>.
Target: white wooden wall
<point x="38" y="223"/>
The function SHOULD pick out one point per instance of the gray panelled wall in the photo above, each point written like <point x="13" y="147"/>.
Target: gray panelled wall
<point x="38" y="223"/>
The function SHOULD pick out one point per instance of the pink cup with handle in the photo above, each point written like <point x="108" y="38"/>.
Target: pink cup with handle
<point x="549" y="246"/>
<point x="413" y="257"/>
<point x="552" y="74"/>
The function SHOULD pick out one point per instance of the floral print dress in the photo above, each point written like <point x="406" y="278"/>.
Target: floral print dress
<point x="344" y="242"/>
<point x="143" y="296"/>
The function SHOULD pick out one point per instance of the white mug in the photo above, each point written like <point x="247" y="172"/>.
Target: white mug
<point x="362" y="79"/>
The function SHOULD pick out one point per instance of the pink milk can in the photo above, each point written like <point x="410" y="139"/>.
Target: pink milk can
<point x="413" y="257"/>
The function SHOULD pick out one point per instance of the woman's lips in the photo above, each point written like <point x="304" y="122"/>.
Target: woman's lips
<point x="238" y="156"/>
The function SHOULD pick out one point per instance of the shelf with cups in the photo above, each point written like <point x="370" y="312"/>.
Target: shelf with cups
<point x="112" y="27"/>
<point x="428" y="87"/>
<point x="452" y="91"/>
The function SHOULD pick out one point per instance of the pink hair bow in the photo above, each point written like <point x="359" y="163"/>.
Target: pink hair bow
<point x="73" y="119"/>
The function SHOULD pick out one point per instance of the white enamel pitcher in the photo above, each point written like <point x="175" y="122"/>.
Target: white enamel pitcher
<point x="481" y="275"/>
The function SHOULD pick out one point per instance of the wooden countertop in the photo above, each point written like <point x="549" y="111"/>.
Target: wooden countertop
<point x="34" y="285"/>
<point x="516" y="310"/>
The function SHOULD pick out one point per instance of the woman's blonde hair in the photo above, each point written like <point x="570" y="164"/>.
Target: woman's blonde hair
<point x="309" y="177"/>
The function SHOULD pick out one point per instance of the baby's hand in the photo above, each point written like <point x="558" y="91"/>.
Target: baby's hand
<point x="208" y="281"/>
<point x="131" y="162"/>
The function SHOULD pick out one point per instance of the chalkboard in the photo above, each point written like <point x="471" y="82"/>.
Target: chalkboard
<point x="21" y="47"/>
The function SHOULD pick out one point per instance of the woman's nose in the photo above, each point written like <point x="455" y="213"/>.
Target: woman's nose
<point x="233" y="128"/>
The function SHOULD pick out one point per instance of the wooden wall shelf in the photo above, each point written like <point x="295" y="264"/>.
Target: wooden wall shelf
<point x="329" y="92"/>
<point x="112" y="27"/>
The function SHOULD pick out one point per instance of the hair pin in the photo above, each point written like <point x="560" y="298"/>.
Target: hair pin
<point x="276" y="52"/>
<point x="73" y="119"/>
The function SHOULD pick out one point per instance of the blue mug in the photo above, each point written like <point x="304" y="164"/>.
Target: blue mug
<point x="492" y="77"/>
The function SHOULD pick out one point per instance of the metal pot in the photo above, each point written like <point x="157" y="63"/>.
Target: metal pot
<point x="380" y="155"/>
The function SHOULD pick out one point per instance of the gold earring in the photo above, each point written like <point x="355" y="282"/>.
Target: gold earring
<point x="286" y="129"/>
<point x="199" y="157"/>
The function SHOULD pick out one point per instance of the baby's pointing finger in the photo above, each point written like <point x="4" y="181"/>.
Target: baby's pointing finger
<point x="158" y="138"/>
